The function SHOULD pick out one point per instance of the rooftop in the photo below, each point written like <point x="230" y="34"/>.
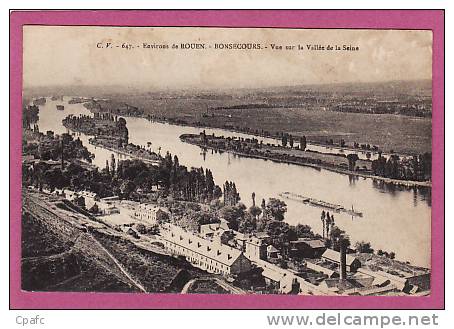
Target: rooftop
<point x="216" y="251"/>
<point x="315" y="244"/>
<point x="334" y="256"/>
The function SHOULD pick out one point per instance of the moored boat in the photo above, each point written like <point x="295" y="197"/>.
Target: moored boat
<point x="320" y="203"/>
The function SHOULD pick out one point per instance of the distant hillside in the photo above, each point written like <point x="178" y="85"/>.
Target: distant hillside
<point x="418" y="87"/>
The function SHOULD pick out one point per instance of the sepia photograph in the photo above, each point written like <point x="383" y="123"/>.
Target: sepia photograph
<point x="218" y="160"/>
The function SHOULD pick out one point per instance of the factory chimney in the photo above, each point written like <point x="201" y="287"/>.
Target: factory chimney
<point x="343" y="260"/>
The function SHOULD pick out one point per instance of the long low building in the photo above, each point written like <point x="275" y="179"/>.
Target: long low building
<point x="211" y="256"/>
<point x="332" y="256"/>
<point x="149" y="213"/>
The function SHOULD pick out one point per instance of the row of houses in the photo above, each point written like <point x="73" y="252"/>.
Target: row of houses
<point x="209" y="255"/>
<point x="148" y="213"/>
<point x="258" y="245"/>
<point x="207" y="252"/>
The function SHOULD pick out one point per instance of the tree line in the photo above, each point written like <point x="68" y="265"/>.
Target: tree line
<point x="418" y="168"/>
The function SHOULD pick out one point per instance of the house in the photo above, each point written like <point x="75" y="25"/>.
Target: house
<point x="318" y="268"/>
<point x="272" y="252"/>
<point x="70" y="195"/>
<point x="109" y="210"/>
<point x="421" y="280"/>
<point x="213" y="257"/>
<point x="307" y="248"/>
<point x="149" y="213"/>
<point x="255" y="248"/>
<point x="280" y="281"/>
<point x="332" y="256"/>
<point x="272" y="278"/>
<point x="209" y="230"/>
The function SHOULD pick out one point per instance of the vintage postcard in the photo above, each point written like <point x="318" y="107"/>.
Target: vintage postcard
<point x="227" y="160"/>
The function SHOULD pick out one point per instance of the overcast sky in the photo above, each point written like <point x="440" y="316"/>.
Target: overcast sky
<point x="70" y="56"/>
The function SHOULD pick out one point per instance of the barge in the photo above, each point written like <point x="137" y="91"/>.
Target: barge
<point x="320" y="203"/>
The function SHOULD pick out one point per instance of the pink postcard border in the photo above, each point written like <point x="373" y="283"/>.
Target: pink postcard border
<point x="365" y="19"/>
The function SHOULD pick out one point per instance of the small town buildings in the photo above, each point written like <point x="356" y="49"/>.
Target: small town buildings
<point x="263" y="236"/>
<point x="321" y="269"/>
<point x="307" y="248"/>
<point x="211" y="256"/>
<point x="209" y="230"/>
<point x="279" y="280"/>
<point x="421" y="280"/>
<point x="107" y="209"/>
<point x="255" y="248"/>
<point x="272" y="279"/>
<point x="272" y="252"/>
<point x="70" y="195"/>
<point x="149" y="213"/>
<point x="332" y="256"/>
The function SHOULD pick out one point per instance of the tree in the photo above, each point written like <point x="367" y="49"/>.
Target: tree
<point x="248" y="224"/>
<point x="276" y="209"/>
<point x="364" y="247"/>
<point x="303" y="143"/>
<point x="284" y="140"/>
<point x="263" y="206"/>
<point x="303" y="231"/>
<point x="279" y="232"/>
<point x="336" y="236"/>
<point x="232" y="214"/>
<point x="323" y="219"/>
<point x="162" y="217"/>
<point x="112" y="165"/>
<point x="283" y="264"/>
<point x="127" y="187"/>
<point x="329" y="223"/>
<point x="255" y="211"/>
<point x="141" y="228"/>
<point x="352" y="158"/>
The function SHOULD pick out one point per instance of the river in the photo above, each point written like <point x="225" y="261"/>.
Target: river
<point x="394" y="219"/>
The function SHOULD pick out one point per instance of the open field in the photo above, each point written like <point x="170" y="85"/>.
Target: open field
<point x="403" y="134"/>
<point x="311" y="110"/>
<point x="390" y="132"/>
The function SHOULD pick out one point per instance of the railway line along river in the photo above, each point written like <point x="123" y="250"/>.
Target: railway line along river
<point x="393" y="218"/>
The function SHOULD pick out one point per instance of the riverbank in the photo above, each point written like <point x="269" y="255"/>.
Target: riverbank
<point x="111" y="133"/>
<point x="133" y="152"/>
<point x="364" y="146"/>
<point x="331" y="162"/>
